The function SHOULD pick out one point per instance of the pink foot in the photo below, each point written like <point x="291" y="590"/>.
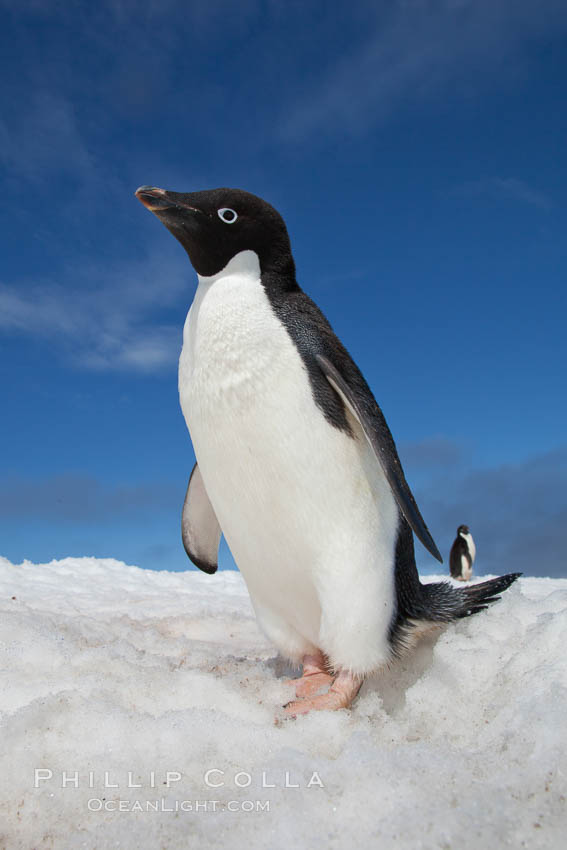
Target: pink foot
<point x="341" y="695"/>
<point x="311" y="683"/>
<point x="314" y="676"/>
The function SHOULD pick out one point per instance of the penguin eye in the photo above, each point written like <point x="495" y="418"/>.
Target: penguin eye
<point x="227" y="215"/>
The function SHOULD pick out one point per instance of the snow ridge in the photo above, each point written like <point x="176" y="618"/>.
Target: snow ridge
<point x="138" y="711"/>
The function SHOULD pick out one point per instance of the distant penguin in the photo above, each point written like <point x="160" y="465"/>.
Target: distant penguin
<point x="463" y="552"/>
<point x="296" y="465"/>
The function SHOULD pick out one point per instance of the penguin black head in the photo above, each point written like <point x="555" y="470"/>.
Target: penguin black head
<point x="215" y="225"/>
<point x="463" y="529"/>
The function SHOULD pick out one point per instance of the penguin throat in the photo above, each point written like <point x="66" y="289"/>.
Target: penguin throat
<point x="245" y="263"/>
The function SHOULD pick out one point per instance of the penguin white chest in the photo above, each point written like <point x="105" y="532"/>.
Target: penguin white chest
<point x="305" y="509"/>
<point x="470" y="545"/>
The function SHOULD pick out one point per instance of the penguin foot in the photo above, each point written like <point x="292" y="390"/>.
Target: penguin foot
<point x="314" y="677"/>
<point x="311" y="683"/>
<point x="341" y="694"/>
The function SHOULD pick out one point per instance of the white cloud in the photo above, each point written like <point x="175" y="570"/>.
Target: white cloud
<point x="509" y="188"/>
<point x="43" y="138"/>
<point x="105" y="317"/>
<point x="415" y="49"/>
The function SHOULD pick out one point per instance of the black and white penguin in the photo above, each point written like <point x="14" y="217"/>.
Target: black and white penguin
<point x="296" y="465"/>
<point x="463" y="552"/>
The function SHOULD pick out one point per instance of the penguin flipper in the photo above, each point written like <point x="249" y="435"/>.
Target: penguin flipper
<point x="377" y="433"/>
<point x="200" y="529"/>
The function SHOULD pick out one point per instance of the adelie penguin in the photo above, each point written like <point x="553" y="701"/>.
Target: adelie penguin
<point x="462" y="555"/>
<point x="295" y="465"/>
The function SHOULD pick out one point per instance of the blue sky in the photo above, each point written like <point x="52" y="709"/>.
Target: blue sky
<point x="417" y="151"/>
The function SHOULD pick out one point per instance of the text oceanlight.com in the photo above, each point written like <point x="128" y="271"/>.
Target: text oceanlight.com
<point x="100" y="804"/>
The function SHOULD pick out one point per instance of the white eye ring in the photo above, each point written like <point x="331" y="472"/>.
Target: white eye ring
<point x="226" y="211"/>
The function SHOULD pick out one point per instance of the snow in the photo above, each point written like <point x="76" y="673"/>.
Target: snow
<point x="110" y="668"/>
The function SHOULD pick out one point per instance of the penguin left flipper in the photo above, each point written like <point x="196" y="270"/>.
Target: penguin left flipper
<point x="369" y="417"/>
<point x="200" y="529"/>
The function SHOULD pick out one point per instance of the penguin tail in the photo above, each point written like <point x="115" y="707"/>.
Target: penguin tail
<point x="435" y="605"/>
<point x="442" y="602"/>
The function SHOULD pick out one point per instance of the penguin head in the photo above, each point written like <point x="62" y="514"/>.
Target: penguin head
<point x="463" y="529"/>
<point x="215" y="225"/>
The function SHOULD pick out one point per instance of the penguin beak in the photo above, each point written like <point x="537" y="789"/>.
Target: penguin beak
<point x="175" y="211"/>
<point x="154" y="199"/>
<point x="161" y="201"/>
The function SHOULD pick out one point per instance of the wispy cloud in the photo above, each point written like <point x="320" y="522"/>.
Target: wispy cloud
<point x="74" y="498"/>
<point x="414" y="50"/>
<point x="433" y="452"/>
<point x="105" y="316"/>
<point x="102" y="313"/>
<point x="505" y="188"/>
<point x="42" y="139"/>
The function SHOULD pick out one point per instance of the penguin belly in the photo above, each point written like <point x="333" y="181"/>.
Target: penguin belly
<point x="470" y="546"/>
<point x="466" y="568"/>
<point x="305" y="508"/>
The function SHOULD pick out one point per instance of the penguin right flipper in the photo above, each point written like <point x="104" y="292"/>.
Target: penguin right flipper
<point x="378" y="435"/>
<point x="200" y="529"/>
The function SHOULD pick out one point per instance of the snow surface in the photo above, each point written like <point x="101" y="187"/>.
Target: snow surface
<point x="108" y="667"/>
